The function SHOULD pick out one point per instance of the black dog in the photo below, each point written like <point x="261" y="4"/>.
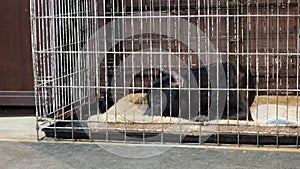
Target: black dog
<point x="202" y="94"/>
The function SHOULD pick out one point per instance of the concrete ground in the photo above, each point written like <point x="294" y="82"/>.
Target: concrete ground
<point x="19" y="149"/>
<point x="17" y="127"/>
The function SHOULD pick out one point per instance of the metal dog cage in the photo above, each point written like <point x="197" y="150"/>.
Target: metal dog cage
<point x="95" y="60"/>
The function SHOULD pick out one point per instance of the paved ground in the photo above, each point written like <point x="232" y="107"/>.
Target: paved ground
<point x="19" y="149"/>
<point x="17" y="127"/>
<point x="67" y="155"/>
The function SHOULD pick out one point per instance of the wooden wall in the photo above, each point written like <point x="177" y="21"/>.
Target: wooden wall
<point x="16" y="83"/>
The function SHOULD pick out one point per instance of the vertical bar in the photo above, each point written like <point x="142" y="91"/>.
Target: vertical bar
<point x="104" y="2"/>
<point x="96" y="14"/>
<point x="189" y="58"/>
<point x="237" y="57"/>
<point x="112" y="33"/>
<point x="268" y="58"/>
<point x="277" y="68"/>
<point x="133" y="18"/>
<point x="142" y="60"/>
<point x="207" y="54"/>
<point x="298" y="68"/>
<point x="199" y="62"/>
<point x="151" y="22"/>
<point x="287" y="60"/>
<point x="90" y="60"/>
<point x="232" y="4"/>
<point x="248" y="28"/>
<point x="257" y="62"/>
<point x="228" y="51"/>
<point x="51" y="57"/>
<point x="33" y="23"/>
<point x="218" y="74"/>
<point x="161" y="66"/>
<point x="169" y="52"/>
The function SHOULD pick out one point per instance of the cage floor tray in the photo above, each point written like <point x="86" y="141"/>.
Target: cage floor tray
<point x="112" y="135"/>
<point x="66" y="130"/>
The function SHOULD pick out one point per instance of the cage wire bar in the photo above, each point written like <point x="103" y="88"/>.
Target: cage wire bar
<point x="101" y="66"/>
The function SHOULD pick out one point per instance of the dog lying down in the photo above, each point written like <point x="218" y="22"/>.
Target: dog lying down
<point x="130" y="110"/>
